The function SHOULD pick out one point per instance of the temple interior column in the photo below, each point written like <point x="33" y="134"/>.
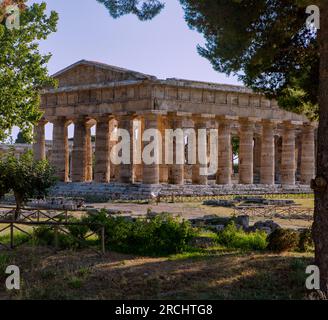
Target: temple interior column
<point x="308" y="154"/>
<point x="176" y="174"/>
<point x="164" y="168"/>
<point x="79" y="153"/>
<point x="257" y="158"/>
<point x="60" y="152"/>
<point x="225" y="152"/>
<point x="138" y="147"/>
<point x="268" y="153"/>
<point x="288" y="161"/>
<point x="39" y="145"/>
<point x="246" y="153"/>
<point x="89" y="174"/>
<point x="201" y="148"/>
<point x="102" y="152"/>
<point x="127" y="172"/>
<point x="151" y="171"/>
<point x="114" y="169"/>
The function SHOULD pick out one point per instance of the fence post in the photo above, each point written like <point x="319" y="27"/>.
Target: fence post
<point x="12" y="245"/>
<point x="103" y="240"/>
<point x="56" y="237"/>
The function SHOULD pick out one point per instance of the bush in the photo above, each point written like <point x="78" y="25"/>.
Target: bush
<point x="232" y="237"/>
<point x="306" y="240"/>
<point x="161" y="235"/>
<point x="78" y="231"/>
<point x="46" y="236"/>
<point x="283" y="240"/>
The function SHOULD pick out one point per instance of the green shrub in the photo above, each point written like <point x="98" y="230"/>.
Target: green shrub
<point x="283" y="240"/>
<point x="232" y="237"/>
<point x="161" y="235"/>
<point x="78" y="231"/>
<point x="306" y="240"/>
<point x="46" y="236"/>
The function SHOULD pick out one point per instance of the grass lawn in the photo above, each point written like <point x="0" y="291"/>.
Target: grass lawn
<point x="213" y="274"/>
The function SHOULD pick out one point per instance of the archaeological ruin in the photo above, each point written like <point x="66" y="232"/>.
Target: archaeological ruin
<point x="276" y="147"/>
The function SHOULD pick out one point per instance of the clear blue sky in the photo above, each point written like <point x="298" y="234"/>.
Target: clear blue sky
<point x="164" y="47"/>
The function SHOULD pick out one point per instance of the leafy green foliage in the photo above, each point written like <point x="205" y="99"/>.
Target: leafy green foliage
<point x="283" y="240"/>
<point x="47" y="236"/>
<point x="233" y="237"/>
<point x="25" y="177"/>
<point x="306" y="240"/>
<point x="161" y="235"/>
<point x="23" y="69"/>
<point x="20" y="138"/>
<point x="143" y="9"/>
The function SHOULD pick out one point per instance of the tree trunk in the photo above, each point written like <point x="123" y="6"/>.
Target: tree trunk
<point x="320" y="184"/>
<point x="19" y="201"/>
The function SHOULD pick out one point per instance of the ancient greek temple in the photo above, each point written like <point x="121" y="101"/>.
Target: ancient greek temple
<point x="276" y="147"/>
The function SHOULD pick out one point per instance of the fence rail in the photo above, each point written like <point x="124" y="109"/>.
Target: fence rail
<point x="57" y="221"/>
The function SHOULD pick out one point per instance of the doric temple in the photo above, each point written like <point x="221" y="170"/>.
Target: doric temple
<point x="275" y="146"/>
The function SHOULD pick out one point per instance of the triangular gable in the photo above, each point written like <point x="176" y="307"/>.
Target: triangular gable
<point x="89" y="72"/>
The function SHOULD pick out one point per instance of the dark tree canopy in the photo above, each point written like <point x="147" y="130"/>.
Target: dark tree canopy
<point x="20" y="138"/>
<point x="143" y="9"/>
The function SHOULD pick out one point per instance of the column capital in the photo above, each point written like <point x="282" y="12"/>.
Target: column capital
<point x="104" y="117"/>
<point x="60" y="120"/>
<point x="310" y="125"/>
<point x="42" y="122"/>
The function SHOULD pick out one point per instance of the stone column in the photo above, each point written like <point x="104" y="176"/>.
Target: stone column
<point x="177" y="169"/>
<point x="114" y="169"/>
<point x="288" y="163"/>
<point x="257" y="158"/>
<point x="308" y="154"/>
<point x="151" y="172"/>
<point x="199" y="124"/>
<point x="79" y="154"/>
<point x="39" y="146"/>
<point x="60" y="152"/>
<point x="225" y="152"/>
<point x="246" y="171"/>
<point x="268" y="153"/>
<point x="127" y="174"/>
<point x="164" y="168"/>
<point x="89" y="174"/>
<point x="102" y="153"/>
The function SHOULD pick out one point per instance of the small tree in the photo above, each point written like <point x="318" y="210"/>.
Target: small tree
<point x="21" y="138"/>
<point x="25" y="177"/>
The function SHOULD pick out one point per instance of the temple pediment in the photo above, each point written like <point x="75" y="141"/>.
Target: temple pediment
<point x="89" y="72"/>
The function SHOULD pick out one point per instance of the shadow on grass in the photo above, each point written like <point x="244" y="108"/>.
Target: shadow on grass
<point x="195" y="275"/>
